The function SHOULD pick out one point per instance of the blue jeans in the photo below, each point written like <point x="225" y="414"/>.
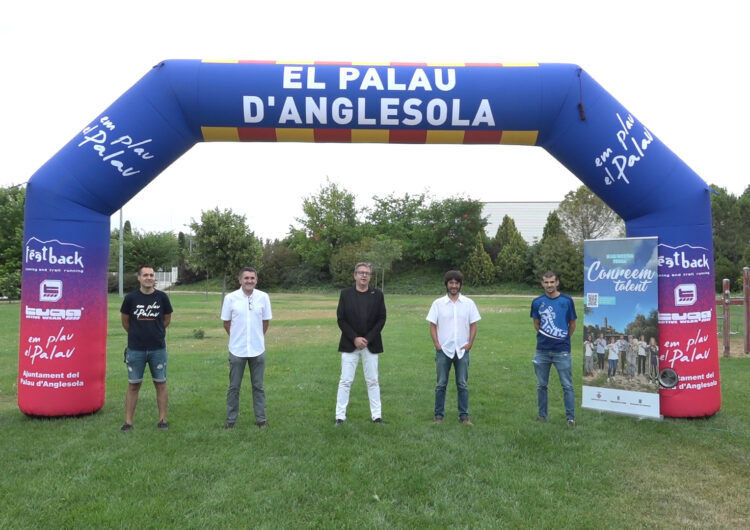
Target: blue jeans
<point x="543" y="360"/>
<point x="443" y="365"/>
<point x="136" y="361"/>
<point x="612" y="370"/>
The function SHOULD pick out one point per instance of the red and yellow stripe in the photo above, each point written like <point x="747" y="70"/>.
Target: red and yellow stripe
<point x="385" y="136"/>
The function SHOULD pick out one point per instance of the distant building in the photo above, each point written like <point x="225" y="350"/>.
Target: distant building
<point x="529" y="217"/>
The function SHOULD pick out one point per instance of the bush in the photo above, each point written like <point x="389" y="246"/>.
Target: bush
<point x="345" y="258"/>
<point x="10" y="285"/>
<point x="130" y="282"/>
<point x="186" y="275"/>
<point x="304" y="276"/>
<point x="278" y="260"/>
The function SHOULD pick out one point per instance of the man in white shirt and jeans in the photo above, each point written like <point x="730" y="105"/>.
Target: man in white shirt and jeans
<point x="246" y="313"/>
<point x="453" y="328"/>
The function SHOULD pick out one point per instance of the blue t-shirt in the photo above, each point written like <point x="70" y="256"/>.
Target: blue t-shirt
<point x="553" y="315"/>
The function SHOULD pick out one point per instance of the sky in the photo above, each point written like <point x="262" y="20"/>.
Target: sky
<point x="675" y="65"/>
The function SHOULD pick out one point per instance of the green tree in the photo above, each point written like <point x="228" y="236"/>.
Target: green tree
<point x="506" y="232"/>
<point x="345" y="257"/>
<point x="383" y="252"/>
<point x="185" y="272"/>
<point x="329" y="221"/>
<point x="223" y="244"/>
<point x="398" y="219"/>
<point x="743" y="221"/>
<point x="642" y="325"/>
<point x="478" y="266"/>
<point x="583" y="215"/>
<point x="279" y="262"/>
<point x="723" y="268"/>
<point x="728" y="236"/>
<point x="12" y="200"/>
<point x="555" y="251"/>
<point x="159" y="249"/>
<point x="448" y="231"/>
<point x="511" y="261"/>
<point x="553" y="227"/>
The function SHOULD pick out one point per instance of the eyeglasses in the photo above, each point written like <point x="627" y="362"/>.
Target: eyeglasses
<point x="363" y="273"/>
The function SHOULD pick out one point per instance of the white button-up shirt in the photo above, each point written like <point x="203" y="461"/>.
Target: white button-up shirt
<point x="246" y="313"/>
<point x="453" y="321"/>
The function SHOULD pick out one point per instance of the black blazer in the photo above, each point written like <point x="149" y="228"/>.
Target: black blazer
<point x="361" y="315"/>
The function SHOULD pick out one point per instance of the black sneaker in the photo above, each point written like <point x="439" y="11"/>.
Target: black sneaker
<point x="162" y="425"/>
<point x="126" y="427"/>
<point x="378" y="420"/>
<point x="338" y="422"/>
<point x="262" y="424"/>
<point x="229" y="425"/>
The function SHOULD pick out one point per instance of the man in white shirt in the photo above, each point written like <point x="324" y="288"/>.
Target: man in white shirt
<point x="453" y="328"/>
<point x="246" y="313"/>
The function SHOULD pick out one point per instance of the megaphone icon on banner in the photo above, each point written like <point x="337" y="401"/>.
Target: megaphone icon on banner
<point x="668" y="378"/>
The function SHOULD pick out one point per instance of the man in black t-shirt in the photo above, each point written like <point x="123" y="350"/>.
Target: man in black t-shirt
<point x="146" y="313"/>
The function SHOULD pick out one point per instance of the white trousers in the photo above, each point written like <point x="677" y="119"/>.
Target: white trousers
<point x="349" y="363"/>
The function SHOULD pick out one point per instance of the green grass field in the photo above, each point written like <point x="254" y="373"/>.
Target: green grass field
<point x="506" y="471"/>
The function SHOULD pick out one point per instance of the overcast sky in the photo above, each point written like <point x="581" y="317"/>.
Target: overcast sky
<point x="677" y="66"/>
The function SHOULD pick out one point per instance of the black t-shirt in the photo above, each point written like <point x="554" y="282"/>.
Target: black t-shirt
<point x="146" y="313"/>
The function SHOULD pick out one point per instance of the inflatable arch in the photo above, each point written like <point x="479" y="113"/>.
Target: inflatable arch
<point x="69" y="201"/>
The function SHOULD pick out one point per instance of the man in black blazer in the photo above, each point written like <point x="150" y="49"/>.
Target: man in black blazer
<point x="361" y="318"/>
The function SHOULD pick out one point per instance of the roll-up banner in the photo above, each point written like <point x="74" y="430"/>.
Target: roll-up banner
<point x="620" y="330"/>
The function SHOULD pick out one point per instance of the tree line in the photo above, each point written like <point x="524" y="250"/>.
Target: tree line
<point x="394" y="233"/>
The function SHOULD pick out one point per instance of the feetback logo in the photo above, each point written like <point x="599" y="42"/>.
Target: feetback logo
<point x="53" y="255"/>
<point x="50" y="290"/>
<point x="682" y="260"/>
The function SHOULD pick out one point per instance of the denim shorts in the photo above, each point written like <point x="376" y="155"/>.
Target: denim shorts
<point x="157" y="362"/>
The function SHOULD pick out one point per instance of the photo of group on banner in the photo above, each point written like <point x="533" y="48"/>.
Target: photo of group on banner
<point x="627" y="361"/>
<point x="621" y="315"/>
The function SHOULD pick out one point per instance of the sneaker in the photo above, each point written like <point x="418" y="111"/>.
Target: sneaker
<point x="572" y="424"/>
<point x="162" y="425"/>
<point x="126" y="427"/>
<point x="378" y="420"/>
<point x="229" y="425"/>
<point x="465" y="420"/>
<point x="338" y="422"/>
<point x="541" y="419"/>
<point x="438" y="419"/>
<point x="262" y="424"/>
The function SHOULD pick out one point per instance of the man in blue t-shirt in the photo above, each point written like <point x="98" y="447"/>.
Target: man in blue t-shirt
<point x="554" y="315"/>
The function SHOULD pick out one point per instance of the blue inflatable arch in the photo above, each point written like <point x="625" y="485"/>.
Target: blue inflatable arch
<point x="559" y="107"/>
